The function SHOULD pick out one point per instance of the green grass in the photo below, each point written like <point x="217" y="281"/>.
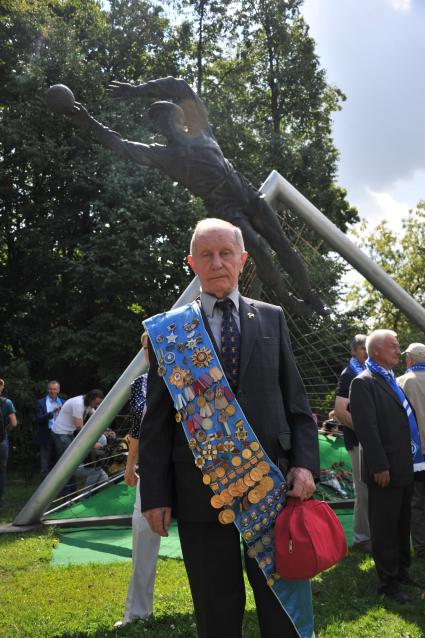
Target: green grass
<point x="40" y="601"/>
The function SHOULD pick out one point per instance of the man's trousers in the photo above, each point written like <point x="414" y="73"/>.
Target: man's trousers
<point x="418" y="516"/>
<point x="213" y="561"/>
<point x="389" y="517"/>
<point x="146" y="543"/>
<point x="361" y="531"/>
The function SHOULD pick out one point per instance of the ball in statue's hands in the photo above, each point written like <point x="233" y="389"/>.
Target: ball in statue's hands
<point x="60" y="99"/>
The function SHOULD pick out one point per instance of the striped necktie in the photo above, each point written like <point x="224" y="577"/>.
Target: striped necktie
<point x="230" y="341"/>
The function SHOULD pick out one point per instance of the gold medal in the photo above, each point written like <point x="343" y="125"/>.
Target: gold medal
<point x="227" y="516"/>
<point x="241" y="485"/>
<point x="255" y="446"/>
<point x="264" y="467"/>
<point x="206" y="479"/>
<point x="202" y="357"/>
<point x="220" y="471"/>
<point x="236" y="461"/>
<point x="248" y="480"/>
<point x="234" y="491"/>
<point x="256" y="474"/>
<point x="246" y="453"/>
<point x="253" y="496"/>
<point x="267" y="482"/>
<point x="226" y="497"/>
<point x="216" y="501"/>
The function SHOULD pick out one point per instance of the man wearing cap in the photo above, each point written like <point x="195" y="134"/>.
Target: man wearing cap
<point x="356" y="365"/>
<point x="385" y="425"/>
<point x="413" y="385"/>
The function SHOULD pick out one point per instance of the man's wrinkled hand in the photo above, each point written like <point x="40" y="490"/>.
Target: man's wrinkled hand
<point x="382" y="478"/>
<point x="159" y="519"/>
<point x="130" y="476"/>
<point x="120" y="90"/>
<point x="301" y="483"/>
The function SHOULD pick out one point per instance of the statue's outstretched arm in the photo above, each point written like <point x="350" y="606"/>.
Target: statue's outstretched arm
<point x="168" y="88"/>
<point x="136" y="151"/>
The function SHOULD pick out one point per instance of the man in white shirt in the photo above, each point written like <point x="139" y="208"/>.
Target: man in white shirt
<point x="73" y="414"/>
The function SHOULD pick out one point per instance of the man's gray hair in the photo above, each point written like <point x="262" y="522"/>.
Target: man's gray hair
<point x="358" y="340"/>
<point x="376" y="338"/>
<point x="212" y="223"/>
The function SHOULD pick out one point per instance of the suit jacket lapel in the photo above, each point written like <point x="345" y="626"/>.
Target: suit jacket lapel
<point x="386" y="386"/>
<point x="249" y="319"/>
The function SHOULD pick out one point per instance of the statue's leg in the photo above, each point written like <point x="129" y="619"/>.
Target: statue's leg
<point x="266" y="269"/>
<point x="265" y="222"/>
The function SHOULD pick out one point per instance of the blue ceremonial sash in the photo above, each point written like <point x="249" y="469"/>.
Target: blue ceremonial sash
<point x="417" y="367"/>
<point x="356" y="366"/>
<point x="247" y="488"/>
<point x="388" y="375"/>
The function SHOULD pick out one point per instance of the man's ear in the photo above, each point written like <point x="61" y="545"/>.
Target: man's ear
<point x="244" y="257"/>
<point x="191" y="263"/>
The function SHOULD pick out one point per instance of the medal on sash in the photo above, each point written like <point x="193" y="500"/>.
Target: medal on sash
<point x="247" y="489"/>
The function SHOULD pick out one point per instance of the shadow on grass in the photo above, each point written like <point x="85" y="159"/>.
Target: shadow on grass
<point x="106" y="548"/>
<point x="182" y="625"/>
<point x="349" y="591"/>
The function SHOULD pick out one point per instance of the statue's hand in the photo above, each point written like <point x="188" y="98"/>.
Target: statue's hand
<point x="120" y="90"/>
<point x="80" y="117"/>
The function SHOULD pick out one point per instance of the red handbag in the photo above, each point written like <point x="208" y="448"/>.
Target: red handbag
<point x="308" y="539"/>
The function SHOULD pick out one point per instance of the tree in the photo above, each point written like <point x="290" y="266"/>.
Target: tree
<point x="89" y="246"/>
<point x="403" y="258"/>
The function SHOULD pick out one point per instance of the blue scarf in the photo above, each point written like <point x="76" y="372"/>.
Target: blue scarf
<point x="356" y="366"/>
<point x="225" y="448"/>
<point x="388" y="375"/>
<point x="417" y="367"/>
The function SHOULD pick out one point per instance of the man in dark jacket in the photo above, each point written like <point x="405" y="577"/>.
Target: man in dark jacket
<point x="46" y="410"/>
<point x="361" y="533"/>
<point x="270" y="391"/>
<point x="381" y="423"/>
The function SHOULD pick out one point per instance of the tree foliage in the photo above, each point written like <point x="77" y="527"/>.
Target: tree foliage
<point x="91" y="245"/>
<point x="403" y="258"/>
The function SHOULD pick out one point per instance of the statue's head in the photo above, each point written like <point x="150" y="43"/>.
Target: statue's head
<point x="168" y="119"/>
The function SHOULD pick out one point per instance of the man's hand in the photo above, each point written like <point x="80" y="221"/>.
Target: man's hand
<point x="382" y="478"/>
<point x="159" y="519"/>
<point x="301" y="482"/>
<point x="130" y="475"/>
<point x="120" y="90"/>
<point x="80" y="117"/>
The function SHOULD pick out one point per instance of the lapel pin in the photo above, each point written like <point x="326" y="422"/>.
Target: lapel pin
<point x="251" y="315"/>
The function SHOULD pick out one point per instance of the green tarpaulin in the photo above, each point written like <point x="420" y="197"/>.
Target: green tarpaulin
<point x="113" y="544"/>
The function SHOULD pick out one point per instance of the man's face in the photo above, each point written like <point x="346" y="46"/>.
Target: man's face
<point x="409" y="361"/>
<point x="146" y="349"/>
<point x="387" y="354"/>
<point x="217" y="260"/>
<point x="53" y="390"/>
<point x="360" y="353"/>
<point x="95" y="403"/>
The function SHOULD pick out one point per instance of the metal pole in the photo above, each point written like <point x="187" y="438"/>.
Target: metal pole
<point x="278" y="188"/>
<point x="95" y="426"/>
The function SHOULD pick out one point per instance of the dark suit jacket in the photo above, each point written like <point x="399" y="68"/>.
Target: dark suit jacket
<point x="42" y="418"/>
<point x="272" y="396"/>
<point x="382" y="426"/>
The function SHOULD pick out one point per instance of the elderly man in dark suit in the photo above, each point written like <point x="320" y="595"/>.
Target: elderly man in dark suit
<point x="269" y="389"/>
<point x="381" y="423"/>
<point x="46" y="411"/>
